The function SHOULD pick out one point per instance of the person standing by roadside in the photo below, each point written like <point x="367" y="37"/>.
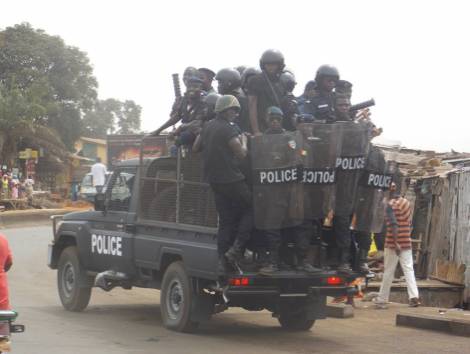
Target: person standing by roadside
<point x="98" y="171"/>
<point x="398" y="249"/>
<point x="6" y="262"/>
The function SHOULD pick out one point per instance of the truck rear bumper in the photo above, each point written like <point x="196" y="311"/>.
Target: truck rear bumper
<point x="313" y="291"/>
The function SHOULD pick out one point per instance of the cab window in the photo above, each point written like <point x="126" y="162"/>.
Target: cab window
<point x="120" y="193"/>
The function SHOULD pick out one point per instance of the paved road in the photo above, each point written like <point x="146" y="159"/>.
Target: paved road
<point x="128" y="322"/>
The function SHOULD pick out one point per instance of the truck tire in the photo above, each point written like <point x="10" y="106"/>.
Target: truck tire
<point x="297" y="322"/>
<point x="69" y="272"/>
<point x="176" y="299"/>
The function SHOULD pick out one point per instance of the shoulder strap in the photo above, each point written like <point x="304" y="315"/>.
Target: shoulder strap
<point x="276" y="97"/>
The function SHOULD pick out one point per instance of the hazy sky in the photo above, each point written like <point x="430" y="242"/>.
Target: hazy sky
<point x="411" y="56"/>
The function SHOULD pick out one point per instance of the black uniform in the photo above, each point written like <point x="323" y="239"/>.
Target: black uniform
<point x="232" y="196"/>
<point x="192" y="113"/>
<point x="269" y="92"/>
<point x="321" y="107"/>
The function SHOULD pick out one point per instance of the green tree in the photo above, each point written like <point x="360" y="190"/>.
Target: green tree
<point x="55" y="78"/>
<point x="112" y="116"/>
<point x="129" y="118"/>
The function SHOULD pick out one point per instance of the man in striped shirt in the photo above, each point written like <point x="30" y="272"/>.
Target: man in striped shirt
<point x="398" y="248"/>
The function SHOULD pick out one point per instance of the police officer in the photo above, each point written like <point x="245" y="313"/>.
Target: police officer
<point x="321" y="106"/>
<point x="289" y="103"/>
<point x="342" y="106"/>
<point x="274" y="118"/>
<point x="192" y="112"/>
<point x="229" y="83"/>
<point x="207" y="76"/>
<point x="310" y="91"/>
<point x="221" y="147"/>
<point x="247" y="74"/>
<point x="265" y="90"/>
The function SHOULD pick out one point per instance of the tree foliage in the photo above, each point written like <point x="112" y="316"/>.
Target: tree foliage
<point x="112" y="117"/>
<point x="48" y="94"/>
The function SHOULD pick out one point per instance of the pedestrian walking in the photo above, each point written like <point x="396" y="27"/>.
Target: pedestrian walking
<point x="398" y="249"/>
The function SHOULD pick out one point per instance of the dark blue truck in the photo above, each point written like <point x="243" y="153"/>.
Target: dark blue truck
<point x="156" y="227"/>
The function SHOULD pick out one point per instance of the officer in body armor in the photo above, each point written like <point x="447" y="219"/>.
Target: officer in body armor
<point x="265" y="90"/>
<point x="321" y="106"/>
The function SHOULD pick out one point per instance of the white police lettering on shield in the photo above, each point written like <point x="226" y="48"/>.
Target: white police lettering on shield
<point x="379" y="181"/>
<point x="278" y="176"/>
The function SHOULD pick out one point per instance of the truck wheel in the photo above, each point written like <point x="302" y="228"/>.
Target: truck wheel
<point x="295" y="322"/>
<point x="176" y="299"/>
<point x="72" y="295"/>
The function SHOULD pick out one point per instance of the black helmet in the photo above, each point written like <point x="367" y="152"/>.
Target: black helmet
<point x="272" y="56"/>
<point x="327" y="70"/>
<point x="249" y="72"/>
<point x="229" y="79"/>
<point x="211" y="99"/>
<point x="344" y="87"/>
<point x="287" y="79"/>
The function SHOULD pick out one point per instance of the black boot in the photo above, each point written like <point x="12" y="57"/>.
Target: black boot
<point x="272" y="266"/>
<point x="304" y="266"/>
<point x="363" y="266"/>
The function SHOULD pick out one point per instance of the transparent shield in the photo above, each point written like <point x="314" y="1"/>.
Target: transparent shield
<point x="373" y="189"/>
<point x="321" y="146"/>
<point x="277" y="194"/>
<point x="349" y="165"/>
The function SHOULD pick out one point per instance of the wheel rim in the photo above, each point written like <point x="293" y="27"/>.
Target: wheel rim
<point x="68" y="279"/>
<point x="175" y="299"/>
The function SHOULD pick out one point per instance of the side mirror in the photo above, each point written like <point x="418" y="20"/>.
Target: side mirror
<point x="100" y="199"/>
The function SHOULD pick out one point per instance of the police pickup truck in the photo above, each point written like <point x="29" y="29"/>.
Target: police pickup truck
<point x="156" y="227"/>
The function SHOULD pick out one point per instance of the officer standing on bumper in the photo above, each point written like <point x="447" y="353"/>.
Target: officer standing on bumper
<point x="265" y="90"/>
<point x="229" y="83"/>
<point x="222" y="147"/>
<point x="321" y="106"/>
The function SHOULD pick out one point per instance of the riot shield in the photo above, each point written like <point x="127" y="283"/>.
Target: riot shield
<point x="276" y="194"/>
<point x="321" y="145"/>
<point x="349" y="165"/>
<point x="373" y="190"/>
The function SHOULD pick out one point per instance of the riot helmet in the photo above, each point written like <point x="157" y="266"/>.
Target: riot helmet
<point x="247" y="74"/>
<point x="327" y="77"/>
<point x="229" y="79"/>
<point x="272" y="56"/>
<point x="287" y="79"/>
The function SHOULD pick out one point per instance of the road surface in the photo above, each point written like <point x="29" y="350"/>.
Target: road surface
<point x="129" y="322"/>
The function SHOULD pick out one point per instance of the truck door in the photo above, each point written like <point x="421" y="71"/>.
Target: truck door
<point x="112" y="236"/>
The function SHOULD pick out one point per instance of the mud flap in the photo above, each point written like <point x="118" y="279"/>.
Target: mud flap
<point x="202" y="307"/>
